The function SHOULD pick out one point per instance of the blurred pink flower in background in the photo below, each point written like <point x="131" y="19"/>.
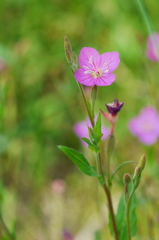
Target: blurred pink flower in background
<point x="81" y="130"/>
<point x="3" y="65"/>
<point x="96" y="69"/>
<point x="67" y="235"/>
<point x="153" y="47"/>
<point x="146" y="126"/>
<point x="58" y="186"/>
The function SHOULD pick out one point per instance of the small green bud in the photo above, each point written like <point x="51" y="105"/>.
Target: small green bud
<point x="68" y="49"/>
<point x="142" y="162"/>
<point x="137" y="172"/>
<point x="74" y="63"/>
<point x="126" y="178"/>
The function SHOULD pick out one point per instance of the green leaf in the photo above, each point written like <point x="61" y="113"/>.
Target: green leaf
<point x="121" y="219"/>
<point x="92" y="135"/>
<point x="97" y="129"/>
<point x="80" y="160"/>
<point x="92" y="146"/>
<point x="120" y="166"/>
<point x="95" y="134"/>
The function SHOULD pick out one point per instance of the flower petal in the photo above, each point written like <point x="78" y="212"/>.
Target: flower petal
<point x="148" y="139"/>
<point x="135" y="126"/>
<point x="110" y="59"/>
<point x="89" y="57"/>
<point x="105" y="80"/>
<point x="105" y="131"/>
<point x="84" y="78"/>
<point x="153" y="47"/>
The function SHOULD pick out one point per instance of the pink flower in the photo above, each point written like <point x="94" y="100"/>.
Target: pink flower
<point x="58" y="186"/>
<point x="146" y="126"/>
<point x="81" y="130"/>
<point x="96" y="69"/>
<point x="153" y="47"/>
<point x="67" y="235"/>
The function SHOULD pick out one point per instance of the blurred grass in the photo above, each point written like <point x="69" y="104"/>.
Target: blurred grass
<point x="40" y="102"/>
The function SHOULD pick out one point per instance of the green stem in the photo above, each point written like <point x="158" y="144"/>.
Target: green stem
<point x="144" y="14"/>
<point x="93" y="99"/>
<point x="85" y="102"/>
<point x="99" y="165"/>
<point x="128" y="213"/>
<point x="108" y="195"/>
<point x="108" y="172"/>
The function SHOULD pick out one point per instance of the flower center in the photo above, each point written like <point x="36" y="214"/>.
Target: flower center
<point x="97" y="73"/>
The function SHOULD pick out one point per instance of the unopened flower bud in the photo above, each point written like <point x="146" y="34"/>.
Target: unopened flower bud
<point x="126" y="178"/>
<point x="68" y="49"/>
<point x="109" y="117"/>
<point x="74" y="62"/>
<point x="142" y="162"/>
<point x="114" y="108"/>
<point x="137" y="172"/>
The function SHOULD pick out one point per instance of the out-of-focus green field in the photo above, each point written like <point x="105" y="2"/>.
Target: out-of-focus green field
<point x="40" y="102"/>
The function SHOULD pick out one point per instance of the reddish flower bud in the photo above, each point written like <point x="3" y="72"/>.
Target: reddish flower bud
<point x="126" y="178"/>
<point x="114" y="108"/>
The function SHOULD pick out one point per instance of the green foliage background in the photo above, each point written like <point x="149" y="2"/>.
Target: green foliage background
<point x="40" y="103"/>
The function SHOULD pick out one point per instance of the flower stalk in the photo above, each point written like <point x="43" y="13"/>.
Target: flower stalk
<point x="101" y="173"/>
<point x="96" y="70"/>
<point x="135" y="183"/>
<point x="108" y="196"/>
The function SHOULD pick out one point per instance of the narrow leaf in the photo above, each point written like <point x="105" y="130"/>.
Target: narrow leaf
<point x="97" y="128"/>
<point x="91" y="145"/>
<point x="80" y="161"/>
<point x="120" y="166"/>
<point x="92" y="135"/>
